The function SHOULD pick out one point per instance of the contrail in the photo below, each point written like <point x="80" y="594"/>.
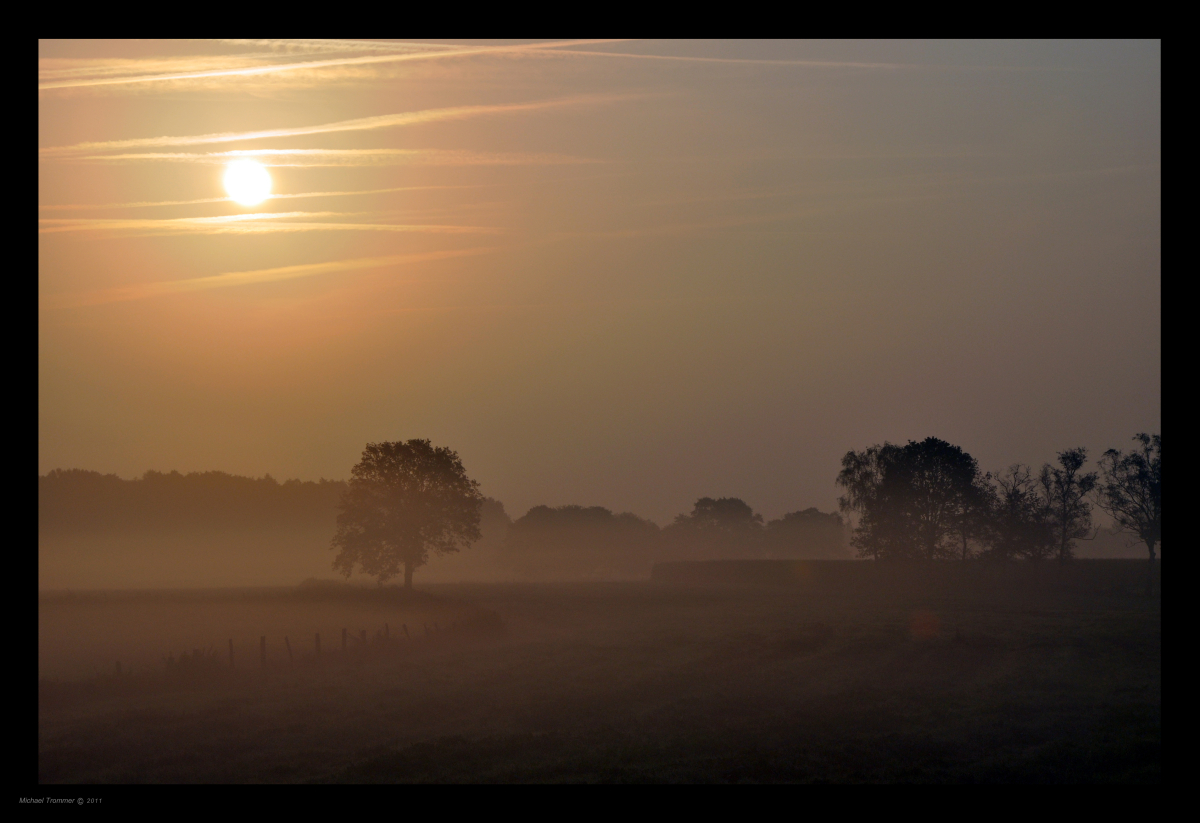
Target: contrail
<point x="203" y="200"/>
<point x="245" y="224"/>
<point x="241" y="278"/>
<point x="358" y="124"/>
<point x="353" y="157"/>
<point x="316" y="64"/>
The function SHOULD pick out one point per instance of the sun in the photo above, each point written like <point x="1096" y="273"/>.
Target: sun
<point x="247" y="182"/>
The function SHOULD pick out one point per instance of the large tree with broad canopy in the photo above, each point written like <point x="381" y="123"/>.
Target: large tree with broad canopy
<point x="404" y="501"/>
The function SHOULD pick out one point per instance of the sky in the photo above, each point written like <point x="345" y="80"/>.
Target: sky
<point x="616" y="273"/>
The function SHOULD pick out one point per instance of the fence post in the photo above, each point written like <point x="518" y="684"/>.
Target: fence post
<point x="288" y="643"/>
<point x="231" y="652"/>
<point x="262" y="649"/>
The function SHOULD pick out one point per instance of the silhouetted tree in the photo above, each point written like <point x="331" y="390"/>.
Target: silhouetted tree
<point x="405" y="500"/>
<point x="1065" y="493"/>
<point x="911" y="500"/>
<point x="573" y="541"/>
<point x="1131" y="492"/>
<point x="972" y="515"/>
<point x="1021" y="525"/>
<point x="809" y="533"/>
<point x="717" y="527"/>
<point x="862" y="478"/>
<point x="726" y="514"/>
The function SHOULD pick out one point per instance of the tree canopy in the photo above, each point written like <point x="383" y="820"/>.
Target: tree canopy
<point x="404" y="501"/>
<point x="1065" y="490"/>
<point x="910" y="500"/>
<point x="809" y="533"/>
<point x="583" y="541"/>
<point x="1131" y="491"/>
<point x="1021" y="526"/>
<point x="717" y="528"/>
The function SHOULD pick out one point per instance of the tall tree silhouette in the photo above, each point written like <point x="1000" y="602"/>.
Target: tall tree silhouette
<point x="717" y="527"/>
<point x="1021" y="525"/>
<point x="972" y="515"/>
<point x="1065" y="490"/>
<point x="1131" y="492"/>
<point x="404" y="501"/>
<point x="911" y="500"/>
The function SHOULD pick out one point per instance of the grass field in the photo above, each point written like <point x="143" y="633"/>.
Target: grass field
<point x="851" y="676"/>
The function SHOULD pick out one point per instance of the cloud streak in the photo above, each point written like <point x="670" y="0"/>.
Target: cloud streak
<point x="813" y="64"/>
<point x="57" y="70"/>
<point x="101" y="73"/>
<point x="309" y="65"/>
<point x="358" y="124"/>
<point x="352" y="157"/>
<point x="244" y="278"/>
<point x="819" y="64"/>
<point x="243" y="224"/>
<point x="205" y="200"/>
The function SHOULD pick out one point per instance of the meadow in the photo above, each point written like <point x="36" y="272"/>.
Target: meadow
<point x="835" y="672"/>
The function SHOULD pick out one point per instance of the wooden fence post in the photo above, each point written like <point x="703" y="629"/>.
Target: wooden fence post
<point x="288" y="643"/>
<point x="262" y="649"/>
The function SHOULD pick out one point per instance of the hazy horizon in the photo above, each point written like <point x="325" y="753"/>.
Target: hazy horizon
<point x="626" y="274"/>
<point x="697" y="411"/>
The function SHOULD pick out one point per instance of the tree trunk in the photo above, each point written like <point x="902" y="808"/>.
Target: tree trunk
<point x="408" y="570"/>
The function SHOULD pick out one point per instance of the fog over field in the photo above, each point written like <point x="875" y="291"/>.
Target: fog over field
<point x="598" y="410"/>
<point x="201" y="531"/>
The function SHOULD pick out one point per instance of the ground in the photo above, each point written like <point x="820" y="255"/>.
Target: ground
<point x="846" y="680"/>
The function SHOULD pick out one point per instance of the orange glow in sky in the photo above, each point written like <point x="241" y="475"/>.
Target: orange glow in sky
<point x="626" y="274"/>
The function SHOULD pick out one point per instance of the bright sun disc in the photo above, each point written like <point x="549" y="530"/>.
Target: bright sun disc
<point x="247" y="182"/>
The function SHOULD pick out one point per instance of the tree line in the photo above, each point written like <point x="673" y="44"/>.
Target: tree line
<point x="409" y="501"/>
<point x="75" y="500"/>
<point x="925" y="500"/>
<point x="929" y="500"/>
<point x="601" y="541"/>
<point x="402" y="492"/>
